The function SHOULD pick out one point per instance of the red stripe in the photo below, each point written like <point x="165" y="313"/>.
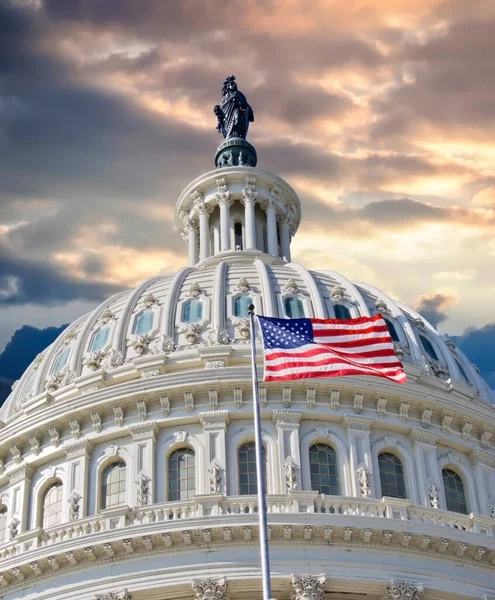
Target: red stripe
<point x="337" y="332"/>
<point x="340" y="373"/>
<point x="330" y="361"/>
<point x="319" y="350"/>
<point x="358" y="343"/>
<point x="356" y="321"/>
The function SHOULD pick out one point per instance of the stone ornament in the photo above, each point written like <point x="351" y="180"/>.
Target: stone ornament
<point x="404" y="591"/>
<point x="124" y="595"/>
<point x="215" y="471"/>
<point x="191" y="332"/>
<point x="14" y="528"/>
<point x="210" y="589"/>
<point x="74" y="506"/>
<point x="242" y="285"/>
<point x="291" y="286"/>
<point x="243" y="328"/>
<point x="364" y="480"/>
<point x="218" y="337"/>
<point x="308" y="587"/>
<point x="291" y="468"/>
<point x="337" y="293"/>
<point x="60" y="380"/>
<point x="194" y="290"/>
<point x="143" y="489"/>
<point x="382" y="307"/>
<point x="105" y="316"/>
<point x="433" y="495"/>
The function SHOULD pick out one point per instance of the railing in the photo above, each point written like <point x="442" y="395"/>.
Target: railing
<point x="218" y="506"/>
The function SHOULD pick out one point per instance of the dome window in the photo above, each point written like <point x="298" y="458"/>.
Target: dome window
<point x="392" y="330"/>
<point x="246" y="456"/>
<point x="181" y="475"/>
<point x="323" y="469"/>
<point x="241" y="304"/>
<point x="454" y="492"/>
<point x="100" y="339"/>
<point x="192" y="311"/>
<point x="238" y="236"/>
<point x="428" y="347"/>
<point x="144" y="322"/>
<point x="52" y="505"/>
<point x="61" y="360"/>
<point x="294" y="308"/>
<point x="392" y="479"/>
<point x="342" y="312"/>
<point x="113" y="488"/>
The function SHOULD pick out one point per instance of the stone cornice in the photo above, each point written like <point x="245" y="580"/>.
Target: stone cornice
<point x="421" y="436"/>
<point x="80" y="448"/>
<point x="143" y="431"/>
<point x="286" y="417"/>
<point x="217" y="419"/>
<point x="483" y="457"/>
<point x="357" y="423"/>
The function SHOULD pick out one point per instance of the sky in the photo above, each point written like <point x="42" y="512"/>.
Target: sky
<point x="380" y="114"/>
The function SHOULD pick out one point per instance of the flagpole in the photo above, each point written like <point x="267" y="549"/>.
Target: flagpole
<point x="260" y="467"/>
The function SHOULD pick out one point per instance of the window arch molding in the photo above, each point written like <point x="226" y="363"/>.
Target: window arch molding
<point x="47" y="478"/>
<point x="205" y="310"/>
<point x="112" y="455"/>
<point x="343" y="468"/>
<point x="405" y="455"/>
<point x="305" y="300"/>
<point x="456" y="463"/>
<point x="255" y="299"/>
<point x="154" y="310"/>
<point x="273" y="472"/>
<point x="164" y="448"/>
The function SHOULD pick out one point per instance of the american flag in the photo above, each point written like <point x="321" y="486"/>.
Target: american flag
<point x="300" y="348"/>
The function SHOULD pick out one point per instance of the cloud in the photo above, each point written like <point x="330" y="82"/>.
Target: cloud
<point x="434" y="307"/>
<point x="479" y="345"/>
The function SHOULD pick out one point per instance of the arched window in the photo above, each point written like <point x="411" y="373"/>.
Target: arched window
<point x="454" y="491"/>
<point x="52" y="505"/>
<point x="246" y="456"/>
<point x="113" y="485"/>
<point x="241" y="304"/>
<point x="391" y="476"/>
<point x="428" y="346"/>
<point x="341" y="312"/>
<point x="192" y="311"/>
<point x="238" y="236"/>
<point x="323" y="469"/>
<point x="61" y="360"/>
<point x="392" y="330"/>
<point x="100" y="339"/>
<point x="144" y="322"/>
<point x="294" y="308"/>
<point x="3" y="523"/>
<point x="181" y="474"/>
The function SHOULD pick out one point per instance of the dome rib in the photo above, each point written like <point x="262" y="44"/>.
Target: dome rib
<point x="351" y="288"/>
<point x="170" y="306"/>
<point x="267" y="296"/>
<point x="316" y="299"/>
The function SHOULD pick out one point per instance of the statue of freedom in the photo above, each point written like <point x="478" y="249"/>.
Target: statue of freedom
<point x="234" y="113"/>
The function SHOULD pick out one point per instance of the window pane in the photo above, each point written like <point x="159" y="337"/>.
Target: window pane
<point x="181" y="474"/>
<point x="341" y="312"/>
<point x="100" y="339"/>
<point x="454" y="492"/>
<point x="391" y="476"/>
<point x="392" y="331"/>
<point x="428" y="346"/>
<point x="113" y="485"/>
<point x="61" y="360"/>
<point x="241" y="306"/>
<point x="52" y="505"/>
<point x="246" y="457"/>
<point x="294" y="308"/>
<point x="193" y="311"/>
<point x="144" y="322"/>
<point x="323" y="469"/>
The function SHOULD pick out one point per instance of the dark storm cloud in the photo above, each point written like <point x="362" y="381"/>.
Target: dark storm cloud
<point x="434" y="307"/>
<point x="35" y="282"/>
<point x="479" y="345"/>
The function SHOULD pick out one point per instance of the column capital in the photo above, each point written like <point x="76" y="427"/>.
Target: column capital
<point x="478" y="456"/>
<point x="286" y="417"/>
<point x="143" y="431"/>
<point x="404" y="591"/>
<point x="351" y="422"/>
<point x="123" y="595"/>
<point x="418" y="436"/>
<point x="217" y="419"/>
<point x="80" y="448"/>
<point x="308" y="586"/>
<point x="205" y="589"/>
<point x="20" y="473"/>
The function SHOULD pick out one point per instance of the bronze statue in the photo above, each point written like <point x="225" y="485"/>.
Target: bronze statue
<point x="234" y="113"/>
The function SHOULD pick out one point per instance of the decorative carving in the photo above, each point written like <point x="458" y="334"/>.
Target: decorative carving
<point x="189" y="401"/>
<point x="180" y="436"/>
<point x="124" y="595"/>
<point x="96" y="421"/>
<point x="291" y="286"/>
<point x="243" y="328"/>
<point x="143" y="490"/>
<point x="364" y="480"/>
<point x="161" y="344"/>
<point x="210" y="589"/>
<point x="14" y="528"/>
<point x="382" y="307"/>
<point x="105" y="316"/>
<point x="404" y="591"/>
<point x="140" y="343"/>
<point x="94" y="359"/>
<point x="242" y="285"/>
<point x="142" y="409"/>
<point x="191" y="331"/>
<point x="433" y="495"/>
<point x="262" y="396"/>
<point x="75" y="428"/>
<point x="112" y="360"/>
<point x="426" y="417"/>
<point x="213" y="398"/>
<point x="291" y="468"/>
<point x="381" y="406"/>
<point x="149" y="300"/>
<point x="69" y="337"/>
<point x="118" y="413"/>
<point x="54" y="434"/>
<point x="357" y="423"/>
<point x="16" y="451"/>
<point x="74" y="506"/>
<point x="466" y="431"/>
<point x="446" y="423"/>
<point x="194" y="290"/>
<point x="403" y="411"/>
<point x="334" y="399"/>
<point x="216" y="472"/>
<point x="311" y="397"/>
<point x="62" y="379"/>
<point x="286" y="417"/>
<point x="214" y="420"/>
<point x="35" y="442"/>
<point x="337" y="293"/>
<point x="308" y="587"/>
<point x="358" y="403"/>
<point x="214" y="364"/>
<point x="286" y="396"/>
<point x="390" y="441"/>
<point x="218" y="337"/>
<point x="237" y="393"/>
<point x="399" y="350"/>
<point x="165" y="404"/>
<point x="485" y="437"/>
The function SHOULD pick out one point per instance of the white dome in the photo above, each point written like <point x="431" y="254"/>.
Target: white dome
<point x="125" y="470"/>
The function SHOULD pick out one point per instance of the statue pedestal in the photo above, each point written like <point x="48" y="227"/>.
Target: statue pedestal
<point x="235" y="152"/>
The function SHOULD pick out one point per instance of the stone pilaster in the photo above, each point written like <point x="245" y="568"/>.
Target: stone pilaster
<point x="428" y="475"/>
<point x="215" y="427"/>
<point x="287" y="422"/>
<point x="144" y="439"/>
<point x="358" y="436"/>
<point x="78" y="457"/>
<point x="19" y="490"/>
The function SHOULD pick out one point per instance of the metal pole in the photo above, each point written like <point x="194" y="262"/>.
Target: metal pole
<point x="260" y="468"/>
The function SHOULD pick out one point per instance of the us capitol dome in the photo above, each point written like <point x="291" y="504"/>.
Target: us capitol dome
<point x="127" y="467"/>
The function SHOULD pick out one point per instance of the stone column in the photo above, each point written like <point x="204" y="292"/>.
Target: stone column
<point x="224" y="202"/>
<point x="204" y="232"/>
<point x="287" y="422"/>
<point x="358" y="439"/>
<point x="271" y="227"/>
<point x="249" y="196"/>
<point x="215" y="427"/>
<point x="19" y="490"/>
<point x="192" y="242"/>
<point x="285" y="237"/>
<point x="429" y="477"/>
<point x="78" y="457"/>
<point x="144" y="438"/>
